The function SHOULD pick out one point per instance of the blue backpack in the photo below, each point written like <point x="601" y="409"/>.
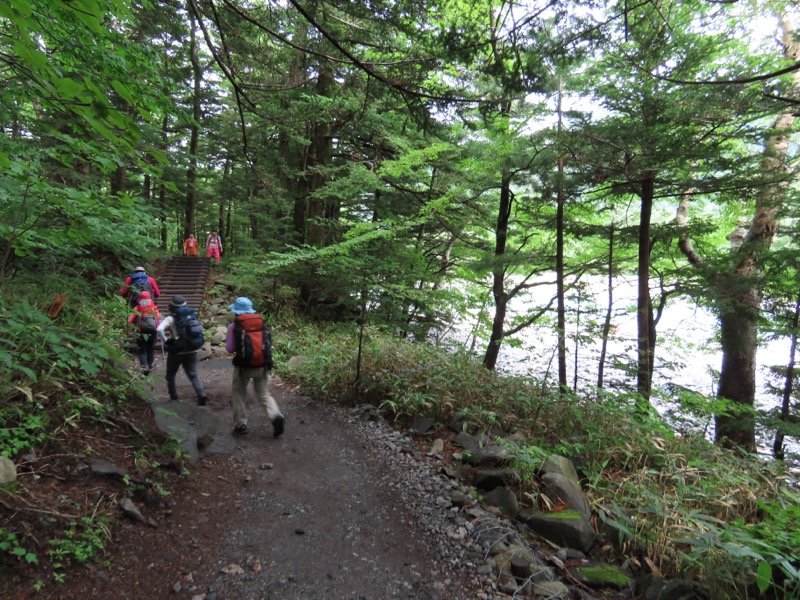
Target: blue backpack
<point x="140" y="282"/>
<point x="188" y="329"/>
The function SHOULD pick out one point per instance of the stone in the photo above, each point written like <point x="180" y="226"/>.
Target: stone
<point x="520" y="567"/>
<point x="552" y="590"/>
<point x="566" y="528"/>
<point x="467" y="441"/>
<point x="601" y="576"/>
<point x="422" y="425"/>
<point x="130" y="510"/>
<point x="8" y="471"/>
<point x="489" y="478"/>
<point x="488" y="456"/>
<point x="559" y="464"/>
<point x="504" y="499"/>
<point x="561" y="488"/>
<point x="459" y="499"/>
<point x="100" y="466"/>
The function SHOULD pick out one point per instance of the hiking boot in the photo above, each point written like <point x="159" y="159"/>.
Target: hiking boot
<point x="240" y="430"/>
<point x="277" y="426"/>
<point x="202" y="401"/>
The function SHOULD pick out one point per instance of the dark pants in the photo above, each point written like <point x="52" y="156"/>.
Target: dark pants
<point x="146" y="349"/>
<point x="187" y="360"/>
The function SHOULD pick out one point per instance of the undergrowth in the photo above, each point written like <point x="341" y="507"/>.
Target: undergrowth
<point x="62" y="377"/>
<point x="667" y="503"/>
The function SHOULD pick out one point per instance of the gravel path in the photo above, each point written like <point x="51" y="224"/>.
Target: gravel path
<point x="339" y="507"/>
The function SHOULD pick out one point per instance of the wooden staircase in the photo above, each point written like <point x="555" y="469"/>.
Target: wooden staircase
<point x="186" y="276"/>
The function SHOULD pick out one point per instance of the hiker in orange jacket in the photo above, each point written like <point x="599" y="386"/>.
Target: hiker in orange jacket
<point x="146" y="318"/>
<point x="191" y="245"/>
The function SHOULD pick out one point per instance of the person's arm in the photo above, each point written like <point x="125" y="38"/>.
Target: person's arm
<point x="123" y="291"/>
<point x="164" y="328"/>
<point x="154" y="287"/>
<point x="230" y="342"/>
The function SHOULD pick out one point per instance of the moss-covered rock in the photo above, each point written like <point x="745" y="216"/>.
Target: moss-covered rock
<point x="602" y="576"/>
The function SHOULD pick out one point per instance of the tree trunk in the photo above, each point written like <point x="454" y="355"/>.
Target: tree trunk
<point x="788" y="384"/>
<point x="561" y="320"/>
<point x="498" y="274"/>
<point x="162" y="190"/>
<point x="644" y="371"/>
<point x="609" y="308"/>
<point x="194" y="129"/>
<point x="319" y="210"/>
<point x="741" y="297"/>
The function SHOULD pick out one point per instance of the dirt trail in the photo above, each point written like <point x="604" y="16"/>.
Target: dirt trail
<point x="311" y="515"/>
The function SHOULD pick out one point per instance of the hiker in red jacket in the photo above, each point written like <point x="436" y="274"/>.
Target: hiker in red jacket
<point x="146" y="318"/>
<point x="139" y="281"/>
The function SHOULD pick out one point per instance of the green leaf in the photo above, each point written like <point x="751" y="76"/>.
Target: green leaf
<point x="123" y="91"/>
<point x="22" y="7"/>
<point x="34" y="58"/>
<point x="763" y="576"/>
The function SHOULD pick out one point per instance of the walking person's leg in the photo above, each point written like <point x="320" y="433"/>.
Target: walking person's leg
<point x="173" y="364"/>
<point x="151" y="352"/>
<point x="189" y="361"/>
<point x="261" y="384"/>
<point x="141" y="350"/>
<point x="238" y="395"/>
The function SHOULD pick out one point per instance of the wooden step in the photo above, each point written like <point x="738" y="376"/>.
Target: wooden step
<point x="186" y="276"/>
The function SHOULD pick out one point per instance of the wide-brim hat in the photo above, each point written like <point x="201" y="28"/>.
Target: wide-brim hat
<point x="137" y="269"/>
<point x="176" y="302"/>
<point x="242" y="306"/>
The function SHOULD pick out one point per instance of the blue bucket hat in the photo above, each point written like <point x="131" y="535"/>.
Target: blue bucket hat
<point x="242" y="306"/>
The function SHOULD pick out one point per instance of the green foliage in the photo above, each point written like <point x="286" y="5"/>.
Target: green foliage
<point x="690" y="507"/>
<point x="408" y="379"/>
<point x="10" y="546"/>
<point x="83" y="539"/>
<point x="53" y="370"/>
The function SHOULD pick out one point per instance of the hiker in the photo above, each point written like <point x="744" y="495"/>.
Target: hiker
<point x="136" y="282"/>
<point x="191" y="245"/>
<point x="145" y="317"/>
<point x="213" y="245"/>
<point x="182" y="336"/>
<point x="249" y="341"/>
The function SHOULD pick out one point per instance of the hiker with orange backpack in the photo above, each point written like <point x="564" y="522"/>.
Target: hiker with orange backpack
<point x="250" y="343"/>
<point x="146" y="318"/>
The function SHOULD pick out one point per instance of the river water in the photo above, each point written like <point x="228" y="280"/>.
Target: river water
<point x="688" y="354"/>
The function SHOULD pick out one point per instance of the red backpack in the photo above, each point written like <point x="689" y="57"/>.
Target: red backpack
<point x="148" y="317"/>
<point x="253" y="342"/>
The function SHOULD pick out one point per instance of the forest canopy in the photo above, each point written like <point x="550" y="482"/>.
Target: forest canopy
<point x="414" y="164"/>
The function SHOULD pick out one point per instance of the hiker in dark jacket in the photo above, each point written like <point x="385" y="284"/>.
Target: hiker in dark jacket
<point x="145" y="339"/>
<point x="176" y="357"/>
